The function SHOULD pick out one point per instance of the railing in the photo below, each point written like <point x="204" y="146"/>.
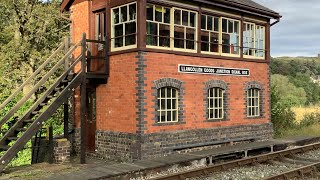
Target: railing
<point x="63" y="49"/>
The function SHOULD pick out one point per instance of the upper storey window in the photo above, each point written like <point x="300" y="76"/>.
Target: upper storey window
<point x="253" y="40"/>
<point x="124" y="26"/>
<point x="158" y="26"/>
<point x="171" y="28"/>
<point x="230" y="36"/>
<point x="210" y="40"/>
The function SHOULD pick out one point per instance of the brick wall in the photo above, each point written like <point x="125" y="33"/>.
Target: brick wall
<point x="61" y="151"/>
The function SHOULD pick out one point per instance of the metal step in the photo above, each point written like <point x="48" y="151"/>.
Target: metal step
<point x="43" y="104"/>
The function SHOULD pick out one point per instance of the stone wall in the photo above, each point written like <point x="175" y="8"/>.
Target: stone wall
<point x="125" y="146"/>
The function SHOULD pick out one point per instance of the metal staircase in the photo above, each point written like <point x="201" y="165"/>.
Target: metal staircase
<point x="26" y="126"/>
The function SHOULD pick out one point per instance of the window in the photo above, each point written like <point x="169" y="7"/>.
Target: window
<point x="167" y="99"/>
<point x="253" y="40"/>
<point x="124" y="26"/>
<point x="158" y="26"/>
<point x="215" y="103"/>
<point x="210" y="33"/>
<point x="230" y="36"/>
<point x="100" y="28"/>
<point x="185" y="30"/>
<point x="253" y="102"/>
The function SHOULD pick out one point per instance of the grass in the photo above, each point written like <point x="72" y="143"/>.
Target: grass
<point x="302" y="111"/>
<point x="312" y="130"/>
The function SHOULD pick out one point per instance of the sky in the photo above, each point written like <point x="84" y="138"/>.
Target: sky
<point x="298" y="32"/>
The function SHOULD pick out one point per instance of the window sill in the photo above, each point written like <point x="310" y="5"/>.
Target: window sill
<point x="169" y="123"/>
<point x="123" y="48"/>
<point x="255" y="117"/>
<point x="216" y="120"/>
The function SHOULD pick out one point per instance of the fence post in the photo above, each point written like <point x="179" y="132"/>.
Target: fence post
<point x="66" y="103"/>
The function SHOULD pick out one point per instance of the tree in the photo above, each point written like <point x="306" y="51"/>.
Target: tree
<point x="290" y="95"/>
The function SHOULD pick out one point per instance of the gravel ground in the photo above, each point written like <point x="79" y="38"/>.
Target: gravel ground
<point x="311" y="155"/>
<point x="174" y="169"/>
<point x="249" y="172"/>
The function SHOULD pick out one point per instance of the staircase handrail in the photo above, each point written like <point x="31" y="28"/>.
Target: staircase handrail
<point x="40" y="83"/>
<point x="61" y="46"/>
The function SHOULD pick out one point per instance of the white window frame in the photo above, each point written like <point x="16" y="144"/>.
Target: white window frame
<point x="172" y="25"/>
<point x="158" y="23"/>
<point x="128" y="21"/>
<point x="212" y="31"/>
<point x="216" y="107"/>
<point x="253" y="96"/>
<point x="256" y="40"/>
<point x="166" y="110"/>
<point x="239" y="34"/>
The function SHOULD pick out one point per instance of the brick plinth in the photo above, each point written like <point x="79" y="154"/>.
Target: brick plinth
<point x="61" y="151"/>
<point x="123" y="146"/>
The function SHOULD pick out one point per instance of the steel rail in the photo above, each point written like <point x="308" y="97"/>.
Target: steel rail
<point x="298" y="172"/>
<point x="236" y="163"/>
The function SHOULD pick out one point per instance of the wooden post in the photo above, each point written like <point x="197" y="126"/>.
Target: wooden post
<point x="106" y="62"/>
<point x="83" y="102"/>
<point x="66" y="103"/>
<point x="50" y="144"/>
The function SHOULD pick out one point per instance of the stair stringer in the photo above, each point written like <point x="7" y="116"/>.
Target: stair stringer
<point x="36" y="125"/>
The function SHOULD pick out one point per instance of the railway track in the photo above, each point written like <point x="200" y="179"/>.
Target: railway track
<point x="307" y="166"/>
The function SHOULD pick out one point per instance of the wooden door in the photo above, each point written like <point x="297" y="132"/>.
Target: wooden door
<point x="91" y="119"/>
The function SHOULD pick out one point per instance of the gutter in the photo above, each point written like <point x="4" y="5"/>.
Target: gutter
<point x="274" y="23"/>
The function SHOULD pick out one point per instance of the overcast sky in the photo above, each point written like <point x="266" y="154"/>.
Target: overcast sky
<point x="298" y="33"/>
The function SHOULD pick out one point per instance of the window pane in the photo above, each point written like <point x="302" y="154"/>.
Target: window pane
<point x="174" y="115"/>
<point x="220" y="113"/>
<point x="216" y="24"/>
<point x="216" y="111"/>
<point x="214" y="46"/>
<point x="164" y="38"/>
<point x="124" y="14"/>
<point x="150" y="12"/>
<point x="230" y="26"/>
<point x="163" y="117"/>
<point x="226" y="43"/>
<point x="163" y="104"/>
<point x="179" y="37"/>
<point x="158" y="14"/>
<point x="177" y="17"/>
<point x="130" y="29"/>
<point x="169" y="116"/>
<point x="236" y="27"/>
<point x="211" y="103"/>
<point x="132" y="12"/>
<point x="204" y="41"/>
<point x="190" y="36"/>
<point x="174" y="93"/>
<point x="203" y="21"/>
<point x="169" y="93"/>
<point x="163" y="92"/>
<point x="116" y="16"/>
<point x="167" y="15"/>
<point x="174" y="104"/>
<point x="209" y="23"/>
<point x="192" y="19"/>
<point x="152" y="31"/>
<point x="211" y="114"/>
<point x="185" y="16"/>
<point x="169" y="103"/>
<point x="224" y="25"/>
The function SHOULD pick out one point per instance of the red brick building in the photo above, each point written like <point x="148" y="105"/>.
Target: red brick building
<point x="182" y="74"/>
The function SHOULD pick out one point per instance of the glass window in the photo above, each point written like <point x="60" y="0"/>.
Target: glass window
<point x="215" y="103"/>
<point x="253" y="102"/>
<point x="158" y="26"/>
<point x="230" y="36"/>
<point x="184" y="29"/>
<point x="124" y="25"/>
<point x="210" y="33"/>
<point x="253" y="40"/>
<point x="167" y="101"/>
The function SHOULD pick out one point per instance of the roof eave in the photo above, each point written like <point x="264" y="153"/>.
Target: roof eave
<point x="65" y="5"/>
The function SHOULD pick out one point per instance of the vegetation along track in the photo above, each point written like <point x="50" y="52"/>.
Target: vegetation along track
<point x="303" y="166"/>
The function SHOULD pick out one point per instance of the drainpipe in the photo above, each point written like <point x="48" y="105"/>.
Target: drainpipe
<point x="278" y="20"/>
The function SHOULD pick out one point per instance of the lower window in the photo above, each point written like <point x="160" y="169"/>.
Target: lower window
<point x="167" y="105"/>
<point x="215" y="103"/>
<point x="253" y="102"/>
